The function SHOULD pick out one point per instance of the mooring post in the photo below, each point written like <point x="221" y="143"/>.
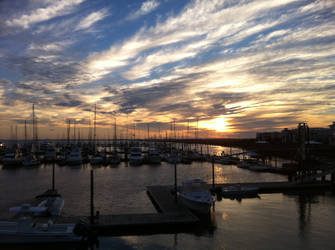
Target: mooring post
<point x="213" y="174"/>
<point x="323" y="178"/>
<point x="53" y="176"/>
<point x="175" y="181"/>
<point x="92" y="199"/>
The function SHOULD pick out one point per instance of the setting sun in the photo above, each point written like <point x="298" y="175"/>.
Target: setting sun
<point x="219" y="124"/>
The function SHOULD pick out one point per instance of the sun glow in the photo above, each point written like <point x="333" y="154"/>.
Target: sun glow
<point x="219" y="124"/>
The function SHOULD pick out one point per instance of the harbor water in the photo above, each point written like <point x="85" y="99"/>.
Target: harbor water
<point x="299" y="220"/>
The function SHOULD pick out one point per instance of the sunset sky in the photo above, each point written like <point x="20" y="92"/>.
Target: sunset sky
<point x="230" y="68"/>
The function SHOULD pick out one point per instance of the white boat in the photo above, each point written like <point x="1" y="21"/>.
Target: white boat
<point x="194" y="194"/>
<point x="74" y="158"/>
<point x="96" y="160"/>
<point x="50" y="206"/>
<point x="113" y="158"/>
<point x="30" y="161"/>
<point x="135" y="157"/>
<point x="50" y="154"/>
<point x="11" y="159"/>
<point x="24" y="231"/>
<point x="154" y="156"/>
<point x="239" y="191"/>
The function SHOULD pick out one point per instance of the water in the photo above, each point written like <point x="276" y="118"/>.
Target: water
<point x="303" y="220"/>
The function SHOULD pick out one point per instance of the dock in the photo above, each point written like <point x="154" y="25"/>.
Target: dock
<point x="171" y="217"/>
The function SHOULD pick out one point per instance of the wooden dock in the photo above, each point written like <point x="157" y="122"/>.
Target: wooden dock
<point x="172" y="217"/>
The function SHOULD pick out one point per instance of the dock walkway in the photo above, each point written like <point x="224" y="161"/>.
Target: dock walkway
<point x="171" y="217"/>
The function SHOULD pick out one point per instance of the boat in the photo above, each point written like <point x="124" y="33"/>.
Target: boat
<point x="74" y="158"/>
<point x="25" y="231"/>
<point x="135" y="157"/>
<point x="96" y="160"/>
<point x="234" y="191"/>
<point x="154" y="156"/>
<point x="113" y="158"/>
<point x="50" y="203"/>
<point x="30" y="161"/>
<point x="194" y="194"/>
<point x="11" y="159"/>
<point x="50" y="155"/>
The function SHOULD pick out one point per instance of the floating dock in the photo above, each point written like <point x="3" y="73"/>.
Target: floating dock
<point x="172" y="217"/>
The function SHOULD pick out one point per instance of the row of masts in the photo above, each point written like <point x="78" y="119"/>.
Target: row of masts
<point x="75" y="132"/>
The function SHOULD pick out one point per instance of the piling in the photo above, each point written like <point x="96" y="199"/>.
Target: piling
<point x="92" y="199"/>
<point x="323" y="178"/>
<point x="213" y="174"/>
<point x="53" y="176"/>
<point x="175" y="181"/>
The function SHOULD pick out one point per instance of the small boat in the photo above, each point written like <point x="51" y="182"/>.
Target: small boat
<point x="30" y="161"/>
<point x="24" y="231"/>
<point x="96" y="160"/>
<point x="135" y="157"/>
<point x="50" y="204"/>
<point x="11" y="159"/>
<point x="50" y="155"/>
<point x="74" y="158"/>
<point x="239" y="191"/>
<point x="154" y="156"/>
<point x="194" y="194"/>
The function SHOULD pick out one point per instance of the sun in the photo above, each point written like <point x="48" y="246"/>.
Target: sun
<point x="219" y="124"/>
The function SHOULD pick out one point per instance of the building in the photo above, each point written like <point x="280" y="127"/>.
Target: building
<point x="288" y="136"/>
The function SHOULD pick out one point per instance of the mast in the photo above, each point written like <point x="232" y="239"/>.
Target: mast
<point x="115" y="139"/>
<point x="25" y="131"/>
<point x="68" y="131"/>
<point x="95" y="124"/>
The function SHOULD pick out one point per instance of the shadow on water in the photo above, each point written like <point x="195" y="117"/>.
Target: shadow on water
<point x="305" y="201"/>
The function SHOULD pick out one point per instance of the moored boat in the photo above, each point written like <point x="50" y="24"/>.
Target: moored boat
<point x="194" y="194"/>
<point x="24" y="231"/>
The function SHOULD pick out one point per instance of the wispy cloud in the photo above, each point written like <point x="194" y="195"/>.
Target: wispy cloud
<point x="55" y="9"/>
<point x="91" y="19"/>
<point x="146" y="7"/>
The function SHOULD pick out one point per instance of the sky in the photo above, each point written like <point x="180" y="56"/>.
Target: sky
<point x="201" y="68"/>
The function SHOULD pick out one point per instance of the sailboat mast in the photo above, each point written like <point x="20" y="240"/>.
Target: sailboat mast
<point x="95" y="124"/>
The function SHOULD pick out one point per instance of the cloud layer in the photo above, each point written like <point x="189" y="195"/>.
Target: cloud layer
<point x="258" y="65"/>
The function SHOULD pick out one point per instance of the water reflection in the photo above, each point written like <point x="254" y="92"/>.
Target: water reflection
<point x="304" y="201"/>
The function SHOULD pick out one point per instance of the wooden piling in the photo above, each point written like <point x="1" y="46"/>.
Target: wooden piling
<point x="323" y="178"/>
<point x="53" y="176"/>
<point x="175" y="181"/>
<point x="92" y="199"/>
<point x="213" y="174"/>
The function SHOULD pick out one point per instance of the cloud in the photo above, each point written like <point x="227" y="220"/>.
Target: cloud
<point x="91" y="19"/>
<point x="55" y="9"/>
<point x="145" y="9"/>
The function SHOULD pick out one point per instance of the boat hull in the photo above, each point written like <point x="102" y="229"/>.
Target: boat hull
<point x="195" y="206"/>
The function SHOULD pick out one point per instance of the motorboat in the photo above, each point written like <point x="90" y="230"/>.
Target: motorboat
<point x="25" y="231"/>
<point x="194" y="194"/>
<point x="11" y="159"/>
<point x="30" y="161"/>
<point x="50" y="155"/>
<point x="154" y="156"/>
<point x="135" y="157"/>
<point x="239" y="191"/>
<point x="113" y="158"/>
<point x="74" y="158"/>
<point x="96" y="160"/>
<point x="47" y="206"/>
